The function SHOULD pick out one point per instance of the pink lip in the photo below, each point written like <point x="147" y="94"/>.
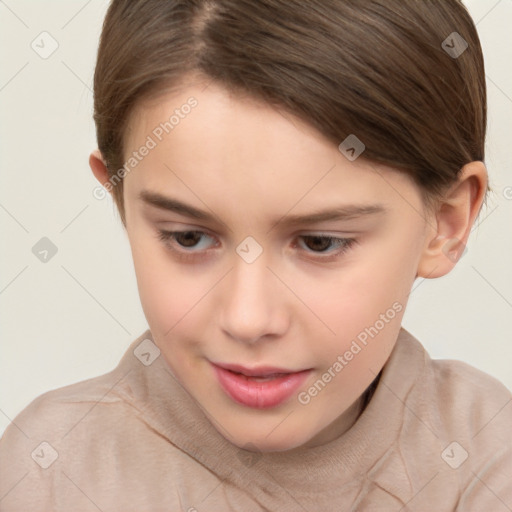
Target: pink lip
<point x="259" y="371"/>
<point x="245" y="390"/>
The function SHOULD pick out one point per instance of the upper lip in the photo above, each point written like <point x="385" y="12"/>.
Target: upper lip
<point x="258" y="371"/>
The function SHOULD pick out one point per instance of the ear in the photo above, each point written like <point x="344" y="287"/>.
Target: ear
<point x="452" y="222"/>
<point x="98" y="167"/>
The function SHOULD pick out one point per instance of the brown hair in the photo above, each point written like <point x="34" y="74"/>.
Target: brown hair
<point x="373" y="68"/>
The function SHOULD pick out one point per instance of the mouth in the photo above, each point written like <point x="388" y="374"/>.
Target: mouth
<point x="261" y="387"/>
<point x="262" y="378"/>
<point x="260" y="371"/>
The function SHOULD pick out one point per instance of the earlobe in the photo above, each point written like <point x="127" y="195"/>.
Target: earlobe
<point x="452" y="222"/>
<point x="98" y="167"/>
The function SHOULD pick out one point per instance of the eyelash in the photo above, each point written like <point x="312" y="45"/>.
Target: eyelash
<point x="167" y="236"/>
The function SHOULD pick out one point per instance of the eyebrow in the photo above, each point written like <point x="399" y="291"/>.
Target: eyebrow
<point x="343" y="212"/>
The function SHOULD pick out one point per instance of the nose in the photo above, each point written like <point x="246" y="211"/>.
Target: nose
<point x="254" y="302"/>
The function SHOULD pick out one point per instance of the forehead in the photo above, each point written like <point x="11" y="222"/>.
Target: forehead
<point x="242" y="149"/>
<point x="218" y="119"/>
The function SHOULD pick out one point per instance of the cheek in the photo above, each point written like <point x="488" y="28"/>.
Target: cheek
<point x="364" y="302"/>
<point x="355" y="299"/>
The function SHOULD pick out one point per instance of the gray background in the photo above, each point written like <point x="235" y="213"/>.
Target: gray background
<point x="72" y="317"/>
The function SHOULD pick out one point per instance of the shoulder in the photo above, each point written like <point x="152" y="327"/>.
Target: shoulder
<point x="57" y="409"/>
<point x="466" y="394"/>
<point x="455" y="430"/>
<point x="467" y="415"/>
<point x="448" y="400"/>
<point x="80" y="430"/>
<point x="31" y="448"/>
<point x="447" y="392"/>
<point x="61" y="414"/>
<point x="97" y="434"/>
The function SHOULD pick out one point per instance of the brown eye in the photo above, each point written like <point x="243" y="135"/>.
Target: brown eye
<point x="326" y="248"/>
<point x="318" y="243"/>
<point x="187" y="238"/>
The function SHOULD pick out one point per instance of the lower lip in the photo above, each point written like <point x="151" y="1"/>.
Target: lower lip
<point x="260" y="394"/>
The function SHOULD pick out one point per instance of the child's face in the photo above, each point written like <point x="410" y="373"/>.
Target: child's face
<point x="301" y="303"/>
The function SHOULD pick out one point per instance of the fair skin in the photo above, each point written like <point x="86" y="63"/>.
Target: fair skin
<point x="299" y="305"/>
